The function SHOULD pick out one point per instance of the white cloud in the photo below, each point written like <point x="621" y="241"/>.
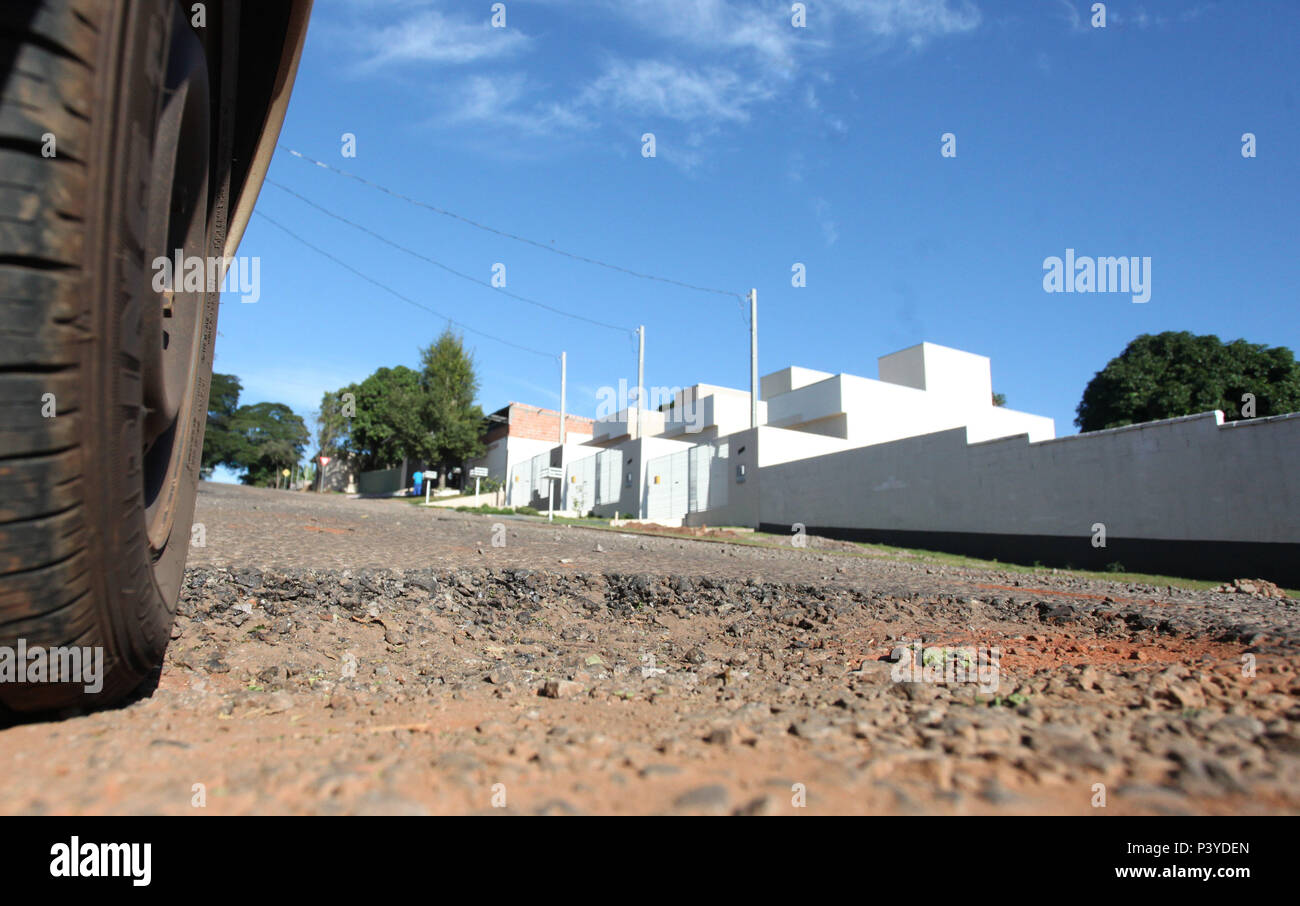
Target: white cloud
<point x="834" y="124"/>
<point x="913" y="20"/>
<point x="672" y="90"/>
<point x="1072" y="17"/>
<point x="429" y="36"/>
<point x="830" y="229"/>
<point x="763" y="35"/>
<point x="505" y="101"/>
<point x="706" y="63"/>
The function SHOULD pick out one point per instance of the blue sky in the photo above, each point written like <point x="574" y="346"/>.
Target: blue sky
<point x="775" y="145"/>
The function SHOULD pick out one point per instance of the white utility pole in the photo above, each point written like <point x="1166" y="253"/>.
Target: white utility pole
<point x="640" y="375"/>
<point x="563" y="378"/>
<point x="753" y="358"/>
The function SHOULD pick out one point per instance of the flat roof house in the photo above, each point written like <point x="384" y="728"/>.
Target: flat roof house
<point x="517" y="432"/>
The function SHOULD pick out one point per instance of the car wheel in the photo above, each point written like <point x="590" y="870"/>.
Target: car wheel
<point x="106" y="153"/>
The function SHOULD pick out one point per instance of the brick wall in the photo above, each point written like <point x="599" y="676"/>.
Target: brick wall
<point x="544" y="424"/>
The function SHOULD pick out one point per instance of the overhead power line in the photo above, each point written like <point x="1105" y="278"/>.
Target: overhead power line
<point x="388" y="289"/>
<point x="541" y="245"/>
<point x="451" y="270"/>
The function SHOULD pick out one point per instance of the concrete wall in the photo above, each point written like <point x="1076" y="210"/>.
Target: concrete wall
<point x="633" y="456"/>
<point x="339" y="475"/>
<point x="1190" y="495"/>
<point x="494" y="458"/>
<point x="380" y="481"/>
<point x="490" y="498"/>
<point x="593" y="481"/>
<point x="520" y="454"/>
<point x="743" y="457"/>
<point x="1167" y="479"/>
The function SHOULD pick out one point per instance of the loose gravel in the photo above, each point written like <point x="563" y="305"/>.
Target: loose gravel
<point x="368" y="656"/>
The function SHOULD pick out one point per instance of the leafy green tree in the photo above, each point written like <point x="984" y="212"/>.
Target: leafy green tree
<point x="1172" y="374"/>
<point x="999" y="399"/>
<point x="272" y="437"/>
<point x="333" y="421"/>
<point x="220" y="444"/>
<point x="390" y="419"/>
<point x="450" y="385"/>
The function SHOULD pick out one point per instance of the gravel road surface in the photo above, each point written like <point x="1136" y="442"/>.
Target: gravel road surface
<point x="347" y="656"/>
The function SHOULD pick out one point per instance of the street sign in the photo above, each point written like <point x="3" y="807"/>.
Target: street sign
<point x="551" y="473"/>
<point x="324" y="460"/>
<point x="478" y="472"/>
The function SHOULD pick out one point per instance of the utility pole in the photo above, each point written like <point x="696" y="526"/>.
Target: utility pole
<point x="640" y="375"/>
<point x="564" y="366"/>
<point x="753" y="358"/>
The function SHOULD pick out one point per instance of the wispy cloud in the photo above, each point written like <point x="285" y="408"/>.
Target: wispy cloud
<point x="430" y="36"/>
<point x="835" y="125"/>
<point x="509" y="101"/>
<point x="675" y="91"/>
<point x="1072" y="16"/>
<point x="916" y="21"/>
<point x="762" y="32"/>
<point x="830" y="229"/>
<point x="704" y="64"/>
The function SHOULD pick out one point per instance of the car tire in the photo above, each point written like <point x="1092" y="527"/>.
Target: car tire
<point x="106" y="151"/>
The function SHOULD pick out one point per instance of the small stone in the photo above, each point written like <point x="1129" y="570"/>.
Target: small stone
<point x="279" y="702"/>
<point x="720" y="737"/>
<point x="659" y="770"/>
<point x="713" y="797"/>
<point x="814" y="727"/>
<point x="561" y="689"/>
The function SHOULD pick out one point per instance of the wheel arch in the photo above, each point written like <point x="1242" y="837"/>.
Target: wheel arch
<point x="270" y="42"/>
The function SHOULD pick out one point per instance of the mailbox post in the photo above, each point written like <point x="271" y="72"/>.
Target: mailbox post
<point x="478" y="472"/>
<point x="551" y="474"/>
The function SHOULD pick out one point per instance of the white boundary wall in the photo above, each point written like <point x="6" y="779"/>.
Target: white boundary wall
<point x="1192" y="478"/>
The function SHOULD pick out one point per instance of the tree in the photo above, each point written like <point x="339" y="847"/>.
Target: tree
<point x="220" y="444"/>
<point x="999" y="399"/>
<point x="332" y="422"/>
<point x="272" y="438"/>
<point x="1172" y="374"/>
<point x="389" y="424"/>
<point x="450" y="386"/>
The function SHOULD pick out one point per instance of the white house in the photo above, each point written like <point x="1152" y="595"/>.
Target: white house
<point x="517" y="432"/>
<point x="922" y="389"/>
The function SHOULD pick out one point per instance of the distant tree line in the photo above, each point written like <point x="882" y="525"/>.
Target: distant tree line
<point x="260" y="440"/>
<point x="427" y="416"/>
